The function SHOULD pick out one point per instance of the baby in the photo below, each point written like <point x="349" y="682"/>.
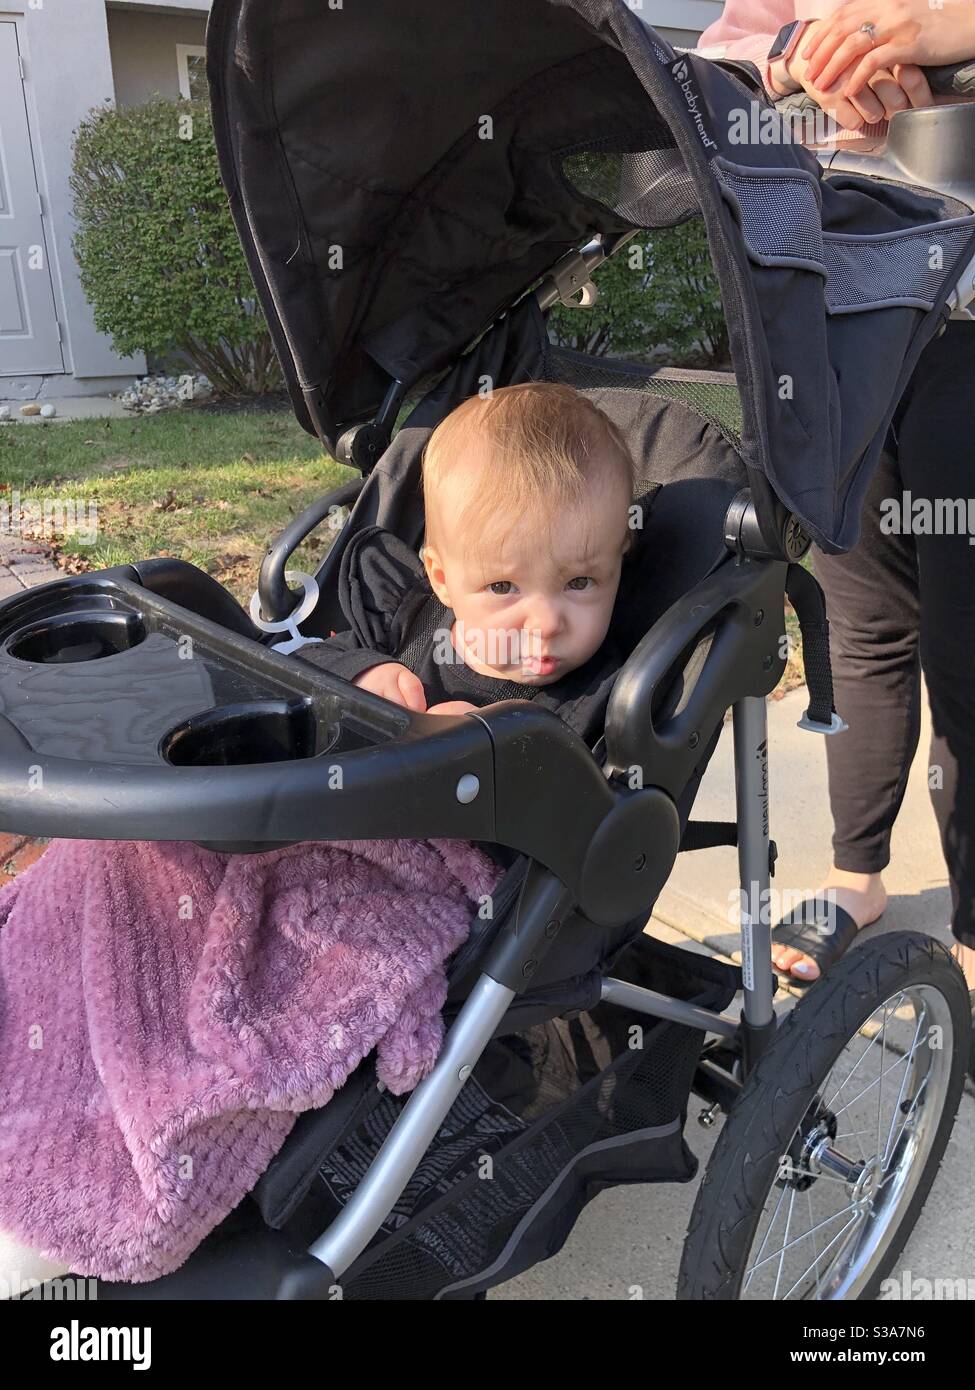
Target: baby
<point x="527" y="494"/>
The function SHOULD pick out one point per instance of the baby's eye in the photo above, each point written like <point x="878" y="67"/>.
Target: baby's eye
<point x="502" y="593"/>
<point x="582" y="579"/>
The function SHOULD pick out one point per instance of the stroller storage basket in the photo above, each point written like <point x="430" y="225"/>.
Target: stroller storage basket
<point x="549" y="1117"/>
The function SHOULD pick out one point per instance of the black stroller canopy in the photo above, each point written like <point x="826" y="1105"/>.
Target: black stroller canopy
<point x="400" y="173"/>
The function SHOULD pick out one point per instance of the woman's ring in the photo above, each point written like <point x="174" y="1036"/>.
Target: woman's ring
<point x="871" y="30"/>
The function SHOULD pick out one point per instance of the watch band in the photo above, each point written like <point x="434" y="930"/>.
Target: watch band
<point x="784" y="45"/>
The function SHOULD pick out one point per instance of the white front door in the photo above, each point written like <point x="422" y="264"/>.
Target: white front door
<point x="30" y="338"/>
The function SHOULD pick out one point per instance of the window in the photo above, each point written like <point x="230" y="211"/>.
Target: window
<point x="191" y="63"/>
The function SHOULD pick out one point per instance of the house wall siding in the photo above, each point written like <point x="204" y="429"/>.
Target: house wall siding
<point x="143" y="50"/>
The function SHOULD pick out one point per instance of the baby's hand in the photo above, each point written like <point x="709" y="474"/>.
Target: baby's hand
<point x="395" y="682"/>
<point x="451" y="707"/>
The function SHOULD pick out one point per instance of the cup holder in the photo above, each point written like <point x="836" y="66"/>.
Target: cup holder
<point x="268" y="731"/>
<point x="69" y="638"/>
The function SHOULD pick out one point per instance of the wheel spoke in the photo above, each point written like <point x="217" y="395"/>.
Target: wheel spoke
<point x="893" y="1149"/>
<point x="893" y="1066"/>
<point x="839" y="1235"/>
<point x="815" y="1241"/>
<point x="849" y="1077"/>
<point x="775" y="1217"/>
<point x="900" y="1098"/>
<point x="871" y="1043"/>
<point x="839" y="1091"/>
<point x="788" y="1222"/>
<point x="818" y="1227"/>
<point x="880" y="1092"/>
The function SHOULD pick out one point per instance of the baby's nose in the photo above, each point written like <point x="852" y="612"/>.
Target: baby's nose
<point x="545" y="619"/>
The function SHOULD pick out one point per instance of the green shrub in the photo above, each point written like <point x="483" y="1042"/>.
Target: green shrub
<point x="656" y="292"/>
<point x="159" y="256"/>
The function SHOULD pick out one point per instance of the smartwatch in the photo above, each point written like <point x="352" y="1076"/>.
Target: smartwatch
<point x="783" y="46"/>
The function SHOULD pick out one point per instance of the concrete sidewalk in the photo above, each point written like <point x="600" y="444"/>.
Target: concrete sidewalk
<point x="69" y="408"/>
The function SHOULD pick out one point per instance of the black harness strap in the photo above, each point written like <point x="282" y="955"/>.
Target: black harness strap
<point x="706" y="834"/>
<point x="808" y="600"/>
<point x="427" y="619"/>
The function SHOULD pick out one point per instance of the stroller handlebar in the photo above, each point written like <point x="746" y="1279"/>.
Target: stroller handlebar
<point x="946" y="79"/>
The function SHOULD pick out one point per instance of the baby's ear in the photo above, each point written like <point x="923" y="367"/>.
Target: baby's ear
<point x="434" y="572"/>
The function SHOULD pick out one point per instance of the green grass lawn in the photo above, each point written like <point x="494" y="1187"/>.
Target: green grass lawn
<point x="209" y="488"/>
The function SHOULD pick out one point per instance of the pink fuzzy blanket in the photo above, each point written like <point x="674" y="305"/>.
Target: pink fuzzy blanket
<point x="166" y="1012"/>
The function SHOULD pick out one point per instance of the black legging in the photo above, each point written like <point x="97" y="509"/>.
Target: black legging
<point x="899" y="603"/>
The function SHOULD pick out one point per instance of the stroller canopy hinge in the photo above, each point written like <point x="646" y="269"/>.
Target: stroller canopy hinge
<point x="364" y="444"/>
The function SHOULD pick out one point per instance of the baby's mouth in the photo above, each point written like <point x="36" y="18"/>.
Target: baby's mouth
<point x="539" y="665"/>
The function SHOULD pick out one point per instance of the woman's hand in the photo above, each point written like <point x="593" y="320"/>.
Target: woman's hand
<point x="395" y="682"/>
<point x="886" y="92"/>
<point x="837" y="50"/>
<point x="451" y="707"/>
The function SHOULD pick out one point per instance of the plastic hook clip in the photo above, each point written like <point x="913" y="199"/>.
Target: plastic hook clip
<point x="306" y="607"/>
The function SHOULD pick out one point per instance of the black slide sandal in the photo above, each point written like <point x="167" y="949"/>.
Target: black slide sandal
<point x="820" y="930"/>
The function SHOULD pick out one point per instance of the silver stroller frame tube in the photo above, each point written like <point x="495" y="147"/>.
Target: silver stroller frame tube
<point x="411" y="1135"/>
<point x="752" y="805"/>
<point x="390" y="1172"/>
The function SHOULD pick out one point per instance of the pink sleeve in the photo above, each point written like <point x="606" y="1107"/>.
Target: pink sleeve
<point x="747" y="27"/>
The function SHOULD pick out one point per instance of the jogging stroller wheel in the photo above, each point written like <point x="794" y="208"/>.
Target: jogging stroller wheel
<point x="827" y="1158"/>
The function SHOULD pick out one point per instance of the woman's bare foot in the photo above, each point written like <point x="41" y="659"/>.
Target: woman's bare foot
<point x="863" y="896"/>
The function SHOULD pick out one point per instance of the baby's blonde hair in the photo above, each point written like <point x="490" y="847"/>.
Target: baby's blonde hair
<point x="546" y="444"/>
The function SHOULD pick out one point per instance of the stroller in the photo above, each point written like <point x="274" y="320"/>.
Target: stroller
<point x="413" y="198"/>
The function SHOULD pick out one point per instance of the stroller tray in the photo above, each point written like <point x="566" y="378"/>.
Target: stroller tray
<point x="125" y="714"/>
<point x="97" y="671"/>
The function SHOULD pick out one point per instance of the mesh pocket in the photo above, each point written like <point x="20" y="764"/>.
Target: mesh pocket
<point x="647" y="188"/>
<point x="549" y="1117"/>
<point x="870" y="272"/>
<point x="712" y="395"/>
<point x="779" y="214"/>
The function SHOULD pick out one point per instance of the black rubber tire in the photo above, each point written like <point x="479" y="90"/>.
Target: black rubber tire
<point x="779" y="1091"/>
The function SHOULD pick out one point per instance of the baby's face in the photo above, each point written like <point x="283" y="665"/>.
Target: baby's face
<point x="537" y="604"/>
